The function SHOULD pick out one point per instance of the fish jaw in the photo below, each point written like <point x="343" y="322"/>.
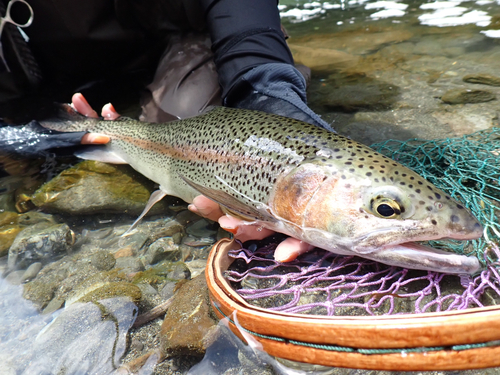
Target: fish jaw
<point x="417" y="256"/>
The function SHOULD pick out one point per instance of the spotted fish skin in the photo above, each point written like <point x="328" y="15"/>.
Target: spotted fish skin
<point x="295" y="178"/>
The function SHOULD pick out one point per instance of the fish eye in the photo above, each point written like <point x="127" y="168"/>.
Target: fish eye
<point x="386" y="208"/>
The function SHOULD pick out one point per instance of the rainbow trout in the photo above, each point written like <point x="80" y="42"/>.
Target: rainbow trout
<point x="294" y="178"/>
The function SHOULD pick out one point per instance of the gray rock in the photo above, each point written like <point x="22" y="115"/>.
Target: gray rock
<point x="197" y="241"/>
<point x="164" y="248"/>
<point x="462" y="96"/>
<point x="54" y="305"/>
<point x="103" y="260"/>
<point x="147" y="289"/>
<point x="196" y="267"/>
<point x="168" y="290"/>
<point x="15" y="277"/>
<point x="129" y="264"/>
<point x="31" y="272"/>
<point x="40" y="242"/>
<point x="83" y="331"/>
<point x="186" y="217"/>
<point x="179" y="271"/>
<point x="202" y="228"/>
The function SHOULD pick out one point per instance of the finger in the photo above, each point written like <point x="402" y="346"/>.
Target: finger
<point x="205" y="207"/>
<point x="81" y="105"/>
<point x="95" y="139"/>
<point x="290" y="249"/>
<point x="242" y="231"/>
<point x="109" y="112"/>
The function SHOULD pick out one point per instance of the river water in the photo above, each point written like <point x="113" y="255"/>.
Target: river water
<point x="380" y="70"/>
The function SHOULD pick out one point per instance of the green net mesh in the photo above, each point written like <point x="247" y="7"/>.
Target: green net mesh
<point x="466" y="167"/>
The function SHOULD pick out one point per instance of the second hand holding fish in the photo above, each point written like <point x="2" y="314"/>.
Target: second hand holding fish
<point x="286" y="251"/>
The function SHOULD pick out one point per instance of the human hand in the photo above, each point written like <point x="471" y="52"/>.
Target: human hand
<point x="286" y="251"/>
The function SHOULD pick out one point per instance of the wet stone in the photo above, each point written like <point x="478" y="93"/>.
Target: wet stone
<point x="129" y="264"/>
<point x="93" y="187"/>
<point x="54" y="305"/>
<point x="8" y="234"/>
<point x="463" y="96"/>
<point x="147" y="289"/>
<point x="15" y="277"/>
<point x="163" y="249"/>
<point x="179" y="271"/>
<point x="202" y="228"/>
<point x="40" y="292"/>
<point x="196" y="266"/>
<point x="103" y="260"/>
<point x="40" y="242"/>
<point x="483" y="79"/>
<point x="186" y="217"/>
<point x="112" y="290"/>
<point x="188" y="327"/>
<point x="168" y="290"/>
<point x="198" y="242"/>
<point x="31" y="272"/>
<point x="84" y="338"/>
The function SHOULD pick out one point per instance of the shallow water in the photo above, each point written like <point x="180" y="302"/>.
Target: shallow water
<point x="379" y="71"/>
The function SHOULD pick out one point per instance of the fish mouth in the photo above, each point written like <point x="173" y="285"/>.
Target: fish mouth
<point x="418" y="256"/>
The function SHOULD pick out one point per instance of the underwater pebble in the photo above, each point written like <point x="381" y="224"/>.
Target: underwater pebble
<point x="186" y="217"/>
<point x="168" y="290"/>
<point x="482" y="78"/>
<point x="202" y="228"/>
<point x="103" y="260"/>
<point x="15" y="277"/>
<point x="136" y="345"/>
<point x="188" y="324"/>
<point x="40" y="242"/>
<point x="196" y="266"/>
<point x="111" y="290"/>
<point x="197" y="242"/>
<point x="31" y="272"/>
<point x="54" y="305"/>
<point x="40" y="292"/>
<point x="126" y="252"/>
<point x="147" y="289"/>
<point x="163" y="249"/>
<point x="462" y="96"/>
<point x="179" y="271"/>
<point x="129" y="264"/>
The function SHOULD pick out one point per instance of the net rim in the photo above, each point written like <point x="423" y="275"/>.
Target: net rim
<point x="437" y="334"/>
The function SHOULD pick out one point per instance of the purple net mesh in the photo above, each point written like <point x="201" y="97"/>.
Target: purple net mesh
<point x="322" y="283"/>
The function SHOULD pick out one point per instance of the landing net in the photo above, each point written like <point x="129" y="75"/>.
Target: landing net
<point x="322" y="283"/>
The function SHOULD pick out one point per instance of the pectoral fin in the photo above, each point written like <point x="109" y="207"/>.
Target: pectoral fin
<point x="230" y="204"/>
<point x="155" y="197"/>
<point x="100" y="153"/>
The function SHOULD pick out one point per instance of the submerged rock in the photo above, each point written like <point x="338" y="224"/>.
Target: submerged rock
<point x="462" y="96"/>
<point x="8" y="234"/>
<point x="103" y="260"/>
<point x="112" y="290"/>
<point x="93" y="187"/>
<point x="189" y="325"/>
<point x="40" y="242"/>
<point x="482" y="78"/>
